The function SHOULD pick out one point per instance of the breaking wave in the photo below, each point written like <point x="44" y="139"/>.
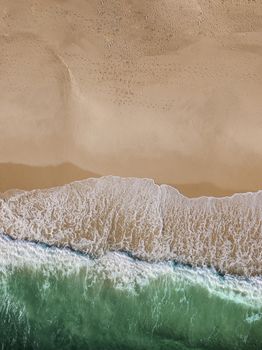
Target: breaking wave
<point x="53" y="298"/>
<point x="151" y="222"/>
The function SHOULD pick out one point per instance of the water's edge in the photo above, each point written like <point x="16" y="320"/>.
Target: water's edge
<point x="151" y="222"/>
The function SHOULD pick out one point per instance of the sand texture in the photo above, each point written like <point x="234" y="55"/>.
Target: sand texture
<point x="170" y="90"/>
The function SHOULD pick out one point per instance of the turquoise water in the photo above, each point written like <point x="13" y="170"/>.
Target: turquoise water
<point x="56" y="299"/>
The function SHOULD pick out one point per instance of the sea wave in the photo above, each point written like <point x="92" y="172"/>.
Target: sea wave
<point x="152" y="222"/>
<point x="54" y="298"/>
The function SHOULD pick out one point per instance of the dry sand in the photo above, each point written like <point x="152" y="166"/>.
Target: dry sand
<point x="170" y="90"/>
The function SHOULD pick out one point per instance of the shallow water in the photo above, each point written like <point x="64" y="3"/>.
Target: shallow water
<point x="151" y="222"/>
<point x="53" y="298"/>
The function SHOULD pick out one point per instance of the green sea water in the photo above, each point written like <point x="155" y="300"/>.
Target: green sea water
<point x="56" y="299"/>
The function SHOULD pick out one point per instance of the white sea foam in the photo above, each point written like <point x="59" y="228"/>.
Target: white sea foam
<point x="128" y="274"/>
<point x="152" y="222"/>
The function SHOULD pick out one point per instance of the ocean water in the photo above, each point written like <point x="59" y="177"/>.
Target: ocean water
<point x="53" y="298"/>
<point x="123" y="263"/>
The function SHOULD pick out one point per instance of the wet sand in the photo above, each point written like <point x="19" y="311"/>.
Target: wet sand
<point x="24" y="177"/>
<point x="168" y="90"/>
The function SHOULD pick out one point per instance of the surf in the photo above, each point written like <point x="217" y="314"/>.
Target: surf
<point x="55" y="298"/>
<point x="151" y="222"/>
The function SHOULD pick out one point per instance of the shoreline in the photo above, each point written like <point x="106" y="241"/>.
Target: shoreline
<point x="156" y="222"/>
<point x="21" y="177"/>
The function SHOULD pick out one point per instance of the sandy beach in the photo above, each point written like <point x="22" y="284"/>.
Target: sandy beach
<point x="131" y="174"/>
<point x="169" y="90"/>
